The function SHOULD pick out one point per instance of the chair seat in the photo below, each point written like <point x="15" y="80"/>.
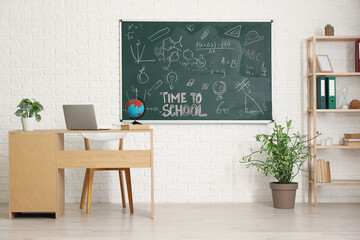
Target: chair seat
<point x="104" y="136"/>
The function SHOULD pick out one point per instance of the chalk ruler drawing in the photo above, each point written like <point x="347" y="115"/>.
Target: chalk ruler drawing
<point x="243" y="83"/>
<point x="154" y="87"/>
<point x="159" y="34"/>
<point x="254" y="102"/>
<point x="190" y="27"/>
<point x="142" y="76"/>
<point x="252" y="37"/>
<point x="204" y="34"/>
<point x="219" y="88"/>
<point x="234" y="32"/>
<point x="138" y="58"/>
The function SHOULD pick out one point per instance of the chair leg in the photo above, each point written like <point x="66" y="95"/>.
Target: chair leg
<point x="128" y="183"/>
<point x="91" y="178"/>
<point x="122" y="188"/>
<point x="85" y="188"/>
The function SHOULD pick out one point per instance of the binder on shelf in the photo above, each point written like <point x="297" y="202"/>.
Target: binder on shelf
<point x="330" y="86"/>
<point x="318" y="171"/>
<point x="320" y="93"/>
<point x="328" y="175"/>
<point x="357" y="55"/>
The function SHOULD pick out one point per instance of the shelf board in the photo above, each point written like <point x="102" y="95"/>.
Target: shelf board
<point x="335" y="110"/>
<point x="339" y="183"/>
<point x="336" y="74"/>
<point x="337" y="146"/>
<point x="334" y="38"/>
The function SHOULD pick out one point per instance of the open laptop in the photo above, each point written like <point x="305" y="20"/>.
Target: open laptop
<point x="80" y="117"/>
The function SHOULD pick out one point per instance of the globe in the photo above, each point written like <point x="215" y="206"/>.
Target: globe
<point x="135" y="108"/>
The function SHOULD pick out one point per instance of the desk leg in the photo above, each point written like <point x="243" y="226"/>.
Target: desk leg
<point x="152" y="173"/>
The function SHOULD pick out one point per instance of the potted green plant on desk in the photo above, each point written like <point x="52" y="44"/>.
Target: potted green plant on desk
<point x="27" y="111"/>
<point x="285" y="155"/>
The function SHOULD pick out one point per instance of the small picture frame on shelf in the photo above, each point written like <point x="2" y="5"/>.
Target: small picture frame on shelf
<point x="324" y="63"/>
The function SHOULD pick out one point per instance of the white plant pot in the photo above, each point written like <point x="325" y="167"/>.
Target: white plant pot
<point x="27" y="124"/>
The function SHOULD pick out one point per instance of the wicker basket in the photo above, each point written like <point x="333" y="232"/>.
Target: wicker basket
<point x="329" y="31"/>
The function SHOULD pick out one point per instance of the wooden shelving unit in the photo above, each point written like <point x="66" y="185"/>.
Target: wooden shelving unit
<point x="312" y="113"/>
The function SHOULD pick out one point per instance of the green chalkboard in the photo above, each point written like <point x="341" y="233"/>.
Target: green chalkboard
<point x="197" y="70"/>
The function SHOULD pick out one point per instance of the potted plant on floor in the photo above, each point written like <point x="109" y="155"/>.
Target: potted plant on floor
<point x="27" y="111"/>
<point x="285" y="155"/>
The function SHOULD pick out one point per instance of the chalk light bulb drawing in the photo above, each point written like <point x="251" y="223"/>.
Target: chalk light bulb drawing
<point x="172" y="79"/>
<point x="219" y="88"/>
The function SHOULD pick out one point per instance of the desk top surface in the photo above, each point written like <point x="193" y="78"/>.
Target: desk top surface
<point x="57" y="131"/>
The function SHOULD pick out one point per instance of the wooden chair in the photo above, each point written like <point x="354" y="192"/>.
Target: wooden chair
<point x="89" y="177"/>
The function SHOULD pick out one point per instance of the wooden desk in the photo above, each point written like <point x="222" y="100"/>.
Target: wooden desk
<point x="37" y="160"/>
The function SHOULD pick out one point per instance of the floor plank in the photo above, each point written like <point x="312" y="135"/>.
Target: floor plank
<point x="189" y="221"/>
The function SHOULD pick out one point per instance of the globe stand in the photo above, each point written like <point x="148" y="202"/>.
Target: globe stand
<point x="136" y="123"/>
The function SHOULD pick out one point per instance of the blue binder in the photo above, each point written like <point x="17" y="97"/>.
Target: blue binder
<point x="320" y="93"/>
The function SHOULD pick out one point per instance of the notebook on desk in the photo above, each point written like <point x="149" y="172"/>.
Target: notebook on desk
<point x="80" y="117"/>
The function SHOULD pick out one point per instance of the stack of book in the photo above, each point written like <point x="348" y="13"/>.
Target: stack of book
<point x="352" y="139"/>
<point x="323" y="170"/>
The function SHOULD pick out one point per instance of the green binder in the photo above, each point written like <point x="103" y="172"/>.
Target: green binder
<point x="320" y="93"/>
<point x="330" y="93"/>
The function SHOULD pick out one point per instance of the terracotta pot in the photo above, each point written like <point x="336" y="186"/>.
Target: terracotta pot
<point x="284" y="194"/>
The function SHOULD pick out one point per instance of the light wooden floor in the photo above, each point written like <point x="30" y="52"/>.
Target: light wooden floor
<point x="249" y="221"/>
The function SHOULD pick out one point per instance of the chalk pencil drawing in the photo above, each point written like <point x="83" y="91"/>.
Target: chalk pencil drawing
<point x="219" y="88"/>
<point x="259" y="110"/>
<point x="234" y="32"/>
<point x="190" y="27"/>
<point x="205" y="34"/>
<point x="263" y="69"/>
<point x="172" y="79"/>
<point x="190" y="82"/>
<point x="224" y="110"/>
<point x="139" y="54"/>
<point x="159" y="34"/>
<point x="252" y="37"/>
<point x="242" y="84"/>
<point x="142" y="76"/>
<point x="154" y="87"/>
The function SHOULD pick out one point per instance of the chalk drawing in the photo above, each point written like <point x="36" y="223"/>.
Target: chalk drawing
<point x="142" y="76"/>
<point x="242" y="84"/>
<point x="204" y="34"/>
<point x="190" y="82"/>
<point x="252" y="37"/>
<point x="211" y="47"/>
<point x="152" y="109"/>
<point x="159" y="34"/>
<point x="205" y="86"/>
<point x="129" y="35"/>
<point x="138" y="58"/>
<point x="263" y="69"/>
<point x="154" y="87"/>
<point x="218" y="71"/>
<point x="254" y="102"/>
<point x="233" y="64"/>
<point x="190" y="27"/>
<point x="219" y="88"/>
<point x="200" y="62"/>
<point x="224" y="110"/>
<point x="127" y="95"/>
<point x="172" y="79"/>
<point x="234" y="32"/>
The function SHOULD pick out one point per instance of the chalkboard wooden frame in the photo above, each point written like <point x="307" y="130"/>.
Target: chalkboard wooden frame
<point x="224" y="121"/>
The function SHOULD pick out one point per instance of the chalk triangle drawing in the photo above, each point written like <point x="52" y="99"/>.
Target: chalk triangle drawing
<point x="251" y="106"/>
<point x="234" y="32"/>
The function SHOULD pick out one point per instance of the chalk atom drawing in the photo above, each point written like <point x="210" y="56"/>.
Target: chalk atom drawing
<point x="252" y="37"/>
<point x="159" y="34"/>
<point x="234" y="32"/>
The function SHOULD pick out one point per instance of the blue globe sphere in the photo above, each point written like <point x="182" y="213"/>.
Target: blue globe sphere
<point x="135" y="108"/>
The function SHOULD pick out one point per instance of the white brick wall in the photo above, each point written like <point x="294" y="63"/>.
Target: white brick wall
<point x="67" y="51"/>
